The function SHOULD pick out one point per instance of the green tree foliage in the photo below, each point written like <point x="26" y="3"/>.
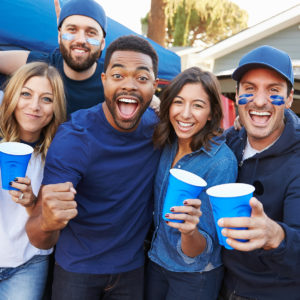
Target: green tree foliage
<point x="207" y="20"/>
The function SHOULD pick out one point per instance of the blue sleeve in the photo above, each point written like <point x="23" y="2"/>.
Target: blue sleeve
<point x="223" y="170"/>
<point x="68" y="156"/>
<point x="38" y="56"/>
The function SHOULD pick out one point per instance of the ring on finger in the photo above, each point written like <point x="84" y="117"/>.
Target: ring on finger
<point x="21" y="196"/>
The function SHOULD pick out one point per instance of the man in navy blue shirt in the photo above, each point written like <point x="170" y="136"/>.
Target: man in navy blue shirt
<point x="95" y="204"/>
<point x="81" y="38"/>
<point x="267" y="265"/>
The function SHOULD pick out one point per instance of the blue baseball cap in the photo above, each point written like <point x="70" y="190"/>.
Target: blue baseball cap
<point x="266" y="56"/>
<point x="88" y="8"/>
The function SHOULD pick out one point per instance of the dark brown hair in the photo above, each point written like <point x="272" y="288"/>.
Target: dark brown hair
<point x="164" y="132"/>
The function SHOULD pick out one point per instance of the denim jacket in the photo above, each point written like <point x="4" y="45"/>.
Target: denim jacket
<point x="215" y="166"/>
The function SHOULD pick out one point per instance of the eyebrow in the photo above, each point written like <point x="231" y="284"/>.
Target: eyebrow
<point x="88" y="27"/>
<point x="269" y="85"/>
<point x="203" y="101"/>
<point x="138" y="68"/>
<point x="32" y="90"/>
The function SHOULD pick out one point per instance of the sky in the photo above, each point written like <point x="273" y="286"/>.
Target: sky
<point x="129" y="12"/>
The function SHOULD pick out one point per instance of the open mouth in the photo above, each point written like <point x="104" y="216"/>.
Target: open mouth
<point x="260" y="117"/>
<point x="185" y="126"/>
<point x="127" y="107"/>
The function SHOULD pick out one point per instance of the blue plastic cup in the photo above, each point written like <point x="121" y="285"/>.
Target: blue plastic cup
<point x="14" y="161"/>
<point x="227" y="201"/>
<point x="182" y="185"/>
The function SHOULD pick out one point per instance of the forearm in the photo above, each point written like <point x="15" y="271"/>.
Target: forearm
<point x="193" y="244"/>
<point x="12" y="60"/>
<point x="38" y="237"/>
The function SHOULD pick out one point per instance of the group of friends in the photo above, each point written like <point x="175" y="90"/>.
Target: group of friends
<point x="96" y="182"/>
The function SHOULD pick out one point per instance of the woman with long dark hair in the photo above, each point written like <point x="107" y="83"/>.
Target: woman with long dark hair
<point x="185" y="260"/>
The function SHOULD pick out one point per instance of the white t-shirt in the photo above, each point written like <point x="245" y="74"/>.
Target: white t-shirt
<point x="249" y="151"/>
<point x="15" y="248"/>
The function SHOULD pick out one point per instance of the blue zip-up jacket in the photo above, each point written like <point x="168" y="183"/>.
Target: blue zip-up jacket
<point x="215" y="166"/>
<point x="275" y="173"/>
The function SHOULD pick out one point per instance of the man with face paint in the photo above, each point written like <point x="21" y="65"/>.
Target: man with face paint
<point x="81" y="33"/>
<point x="267" y="264"/>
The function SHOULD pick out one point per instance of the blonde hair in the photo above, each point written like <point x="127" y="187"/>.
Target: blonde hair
<point x="9" y="126"/>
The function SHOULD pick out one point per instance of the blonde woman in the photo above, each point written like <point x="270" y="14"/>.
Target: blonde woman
<point x="33" y="106"/>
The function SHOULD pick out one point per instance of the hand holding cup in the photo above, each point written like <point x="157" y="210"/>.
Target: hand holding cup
<point x="189" y="214"/>
<point x="23" y="193"/>
<point x="262" y="232"/>
<point x="182" y="185"/>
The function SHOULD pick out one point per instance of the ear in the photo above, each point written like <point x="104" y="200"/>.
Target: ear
<point x="59" y="36"/>
<point x="102" y="45"/>
<point x="103" y="78"/>
<point x="236" y="97"/>
<point x="289" y="100"/>
<point x="155" y="84"/>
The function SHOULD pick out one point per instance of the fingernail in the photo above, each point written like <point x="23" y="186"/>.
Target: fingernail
<point x="172" y="209"/>
<point x="167" y="222"/>
<point x="166" y="215"/>
<point x="221" y="222"/>
<point x="16" y="179"/>
<point x="10" y="183"/>
<point x="185" y="202"/>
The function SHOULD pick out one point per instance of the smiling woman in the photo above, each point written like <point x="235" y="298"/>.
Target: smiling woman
<point x="185" y="260"/>
<point x="33" y="107"/>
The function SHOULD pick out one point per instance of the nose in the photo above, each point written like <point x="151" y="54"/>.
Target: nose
<point x="35" y="103"/>
<point x="260" y="98"/>
<point x="186" y="111"/>
<point x="80" y="36"/>
<point x="129" y="84"/>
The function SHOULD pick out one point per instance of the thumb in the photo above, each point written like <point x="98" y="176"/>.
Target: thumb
<point x="71" y="187"/>
<point x="257" y="207"/>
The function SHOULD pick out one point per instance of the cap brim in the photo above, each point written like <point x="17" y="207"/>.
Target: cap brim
<point x="240" y="71"/>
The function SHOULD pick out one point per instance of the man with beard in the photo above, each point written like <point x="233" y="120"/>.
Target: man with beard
<point x="81" y="33"/>
<point x="105" y="153"/>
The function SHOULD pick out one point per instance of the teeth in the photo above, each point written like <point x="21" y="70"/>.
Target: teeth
<point x="125" y="100"/>
<point x="79" y="51"/>
<point x="185" y="124"/>
<point x="260" y="113"/>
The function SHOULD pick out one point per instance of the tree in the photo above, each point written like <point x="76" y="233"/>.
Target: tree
<point x="186" y="21"/>
<point x="157" y="21"/>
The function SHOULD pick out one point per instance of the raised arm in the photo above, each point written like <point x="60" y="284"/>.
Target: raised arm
<point x="54" y="209"/>
<point x="57" y="9"/>
<point x="12" y="60"/>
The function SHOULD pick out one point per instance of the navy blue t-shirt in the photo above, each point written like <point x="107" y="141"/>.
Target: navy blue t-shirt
<point x="113" y="174"/>
<point x="80" y="94"/>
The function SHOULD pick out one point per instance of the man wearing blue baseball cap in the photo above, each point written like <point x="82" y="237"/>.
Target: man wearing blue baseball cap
<point x="81" y="33"/>
<point x="266" y="265"/>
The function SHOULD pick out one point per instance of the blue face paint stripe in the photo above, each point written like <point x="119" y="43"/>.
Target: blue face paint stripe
<point x="277" y="100"/>
<point x="68" y="36"/>
<point x="243" y="101"/>
<point x="245" y="98"/>
<point x="93" y="42"/>
<point x="71" y="37"/>
<point x="246" y="95"/>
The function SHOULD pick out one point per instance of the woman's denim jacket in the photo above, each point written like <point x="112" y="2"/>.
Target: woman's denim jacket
<point x="216" y="166"/>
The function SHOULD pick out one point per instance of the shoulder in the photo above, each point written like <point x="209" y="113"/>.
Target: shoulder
<point x="84" y="118"/>
<point x="54" y="57"/>
<point x="221" y="151"/>
<point x="38" y="56"/>
<point x="150" y="117"/>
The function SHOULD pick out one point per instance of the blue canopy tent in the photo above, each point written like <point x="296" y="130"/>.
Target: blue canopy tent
<point x="31" y="25"/>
